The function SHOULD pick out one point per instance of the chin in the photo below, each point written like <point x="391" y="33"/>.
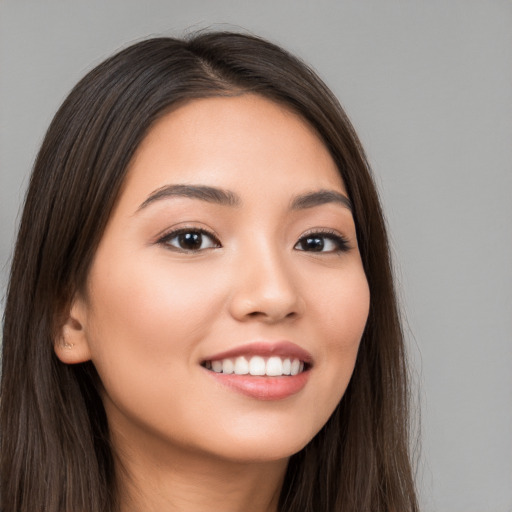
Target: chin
<point x="263" y="445"/>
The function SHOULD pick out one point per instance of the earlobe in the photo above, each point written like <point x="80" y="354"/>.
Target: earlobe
<point x="71" y="345"/>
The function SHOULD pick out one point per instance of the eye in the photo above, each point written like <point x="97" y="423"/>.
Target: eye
<point x="322" y="242"/>
<point x="189" y="240"/>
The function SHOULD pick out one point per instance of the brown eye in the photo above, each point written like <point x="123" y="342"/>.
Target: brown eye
<point x="322" y="242"/>
<point x="312" y="243"/>
<point x="190" y="240"/>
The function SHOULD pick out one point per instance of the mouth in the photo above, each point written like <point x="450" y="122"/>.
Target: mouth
<point x="262" y="370"/>
<point x="256" y="365"/>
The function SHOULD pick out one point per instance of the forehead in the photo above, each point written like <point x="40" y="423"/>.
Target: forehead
<point x="237" y="142"/>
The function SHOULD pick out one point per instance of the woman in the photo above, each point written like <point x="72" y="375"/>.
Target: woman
<point x="201" y="312"/>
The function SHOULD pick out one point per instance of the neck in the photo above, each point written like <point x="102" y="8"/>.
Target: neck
<point x="186" y="482"/>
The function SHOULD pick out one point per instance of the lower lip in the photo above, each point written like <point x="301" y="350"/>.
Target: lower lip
<point x="263" y="388"/>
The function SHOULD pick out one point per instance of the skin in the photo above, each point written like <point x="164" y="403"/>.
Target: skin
<point x="152" y="312"/>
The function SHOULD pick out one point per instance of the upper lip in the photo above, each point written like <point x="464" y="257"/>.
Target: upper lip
<point x="265" y="349"/>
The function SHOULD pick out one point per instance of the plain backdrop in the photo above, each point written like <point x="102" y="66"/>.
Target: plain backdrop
<point x="428" y="85"/>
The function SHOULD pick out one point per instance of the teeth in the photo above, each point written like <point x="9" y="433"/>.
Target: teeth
<point x="287" y="367"/>
<point x="257" y="366"/>
<point x="273" y="366"/>
<point x="241" y="366"/>
<point x="228" y="366"/>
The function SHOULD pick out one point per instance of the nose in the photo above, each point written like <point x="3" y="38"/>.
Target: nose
<point x="265" y="289"/>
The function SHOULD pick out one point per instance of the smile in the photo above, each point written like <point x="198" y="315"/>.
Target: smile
<point x="262" y="370"/>
<point x="274" y="366"/>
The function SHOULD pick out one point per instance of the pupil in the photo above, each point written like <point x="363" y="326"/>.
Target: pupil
<point x="313" y="244"/>
<point x="190" y="240"/>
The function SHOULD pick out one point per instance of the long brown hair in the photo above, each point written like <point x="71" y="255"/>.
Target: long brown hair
<point x="55" y="450"/>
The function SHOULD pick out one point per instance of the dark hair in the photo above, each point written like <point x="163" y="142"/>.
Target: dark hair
<point x="55" y="451"/>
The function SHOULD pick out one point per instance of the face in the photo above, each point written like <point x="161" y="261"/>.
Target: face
<point x="227" y="299"/>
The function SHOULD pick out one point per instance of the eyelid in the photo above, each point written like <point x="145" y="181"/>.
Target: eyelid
<point x="323" y="231"/>
<point x="186" y="226"/>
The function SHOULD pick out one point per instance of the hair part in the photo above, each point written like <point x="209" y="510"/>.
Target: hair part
<point x="55" y="449"/>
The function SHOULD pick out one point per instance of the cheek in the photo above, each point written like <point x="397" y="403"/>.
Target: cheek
<point x="341" y="308"/>
<point x="147" y="323"/>
<point x="148" y="317"/>
<point x="341" y="304"/>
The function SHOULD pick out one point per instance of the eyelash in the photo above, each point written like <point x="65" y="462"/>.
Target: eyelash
<point x="340" y="242"/>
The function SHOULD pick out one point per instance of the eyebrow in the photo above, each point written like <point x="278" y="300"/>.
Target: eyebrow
<point x="202" y="192"/>
<point x="317" y="198"/>
<point x="227" y="198"/>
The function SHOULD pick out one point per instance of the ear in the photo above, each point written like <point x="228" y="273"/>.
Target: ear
<point x="71" y="344"/>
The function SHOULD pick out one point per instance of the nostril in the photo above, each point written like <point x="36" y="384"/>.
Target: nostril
<point x="272" y="316"/>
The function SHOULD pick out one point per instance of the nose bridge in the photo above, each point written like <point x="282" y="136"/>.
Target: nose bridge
<point x="265" y="285"/>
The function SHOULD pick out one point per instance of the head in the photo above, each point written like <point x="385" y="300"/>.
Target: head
<point x="358" y="459"/>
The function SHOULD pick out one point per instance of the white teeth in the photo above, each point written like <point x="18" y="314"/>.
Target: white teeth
<point x="295" y="367"/>
<point x="241" y="366"/>
<point x="257" y="366"/>
<point x="287" y="367"/>
<point x="228" y="366"/>
<point x="274" y="366"/>
<point x="217" y="366"/>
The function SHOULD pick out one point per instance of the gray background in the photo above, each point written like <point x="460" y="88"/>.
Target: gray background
<point x="428" y="86"/>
